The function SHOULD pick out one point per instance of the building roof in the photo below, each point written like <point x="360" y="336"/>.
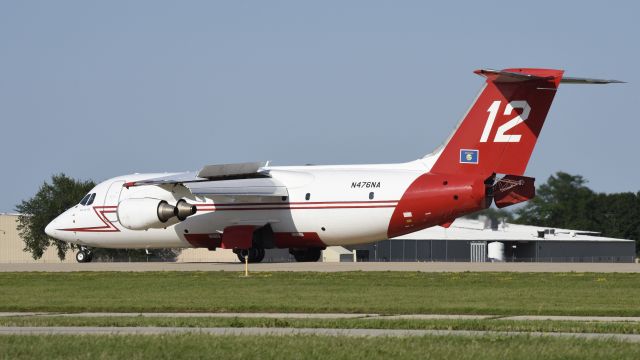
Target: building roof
<point x="470" y="229"/>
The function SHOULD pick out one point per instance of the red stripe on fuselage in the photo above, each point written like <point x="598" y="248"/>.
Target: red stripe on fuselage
<point x="212" y="208"/>
<point x="100" y="212"/>
<point x="302" y="202"/>
<point x="110" y="227"/>
<point x="298" y="205"/>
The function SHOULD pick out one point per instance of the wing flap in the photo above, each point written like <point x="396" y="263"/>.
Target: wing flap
<point x="177" y="178"/>
<point x="239" y="187"/>
<point x="231" y="170"/>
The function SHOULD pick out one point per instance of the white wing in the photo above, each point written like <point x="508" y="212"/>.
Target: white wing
<point x="243" y="179"/>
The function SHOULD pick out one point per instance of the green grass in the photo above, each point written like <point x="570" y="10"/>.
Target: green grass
<point x="197" y="346"/>
<point x="484" y="325"/>
<point x="375" y="292"/>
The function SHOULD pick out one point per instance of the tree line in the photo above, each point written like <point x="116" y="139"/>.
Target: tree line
<point x="51" y="200"/>
<point x="565" y="201"/>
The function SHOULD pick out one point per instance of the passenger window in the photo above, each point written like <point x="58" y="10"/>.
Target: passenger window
<point x="85" y="199"/>
<point x="308" y="196"/>
<point x="93" y="197"/>
<point x="371" y="196"/>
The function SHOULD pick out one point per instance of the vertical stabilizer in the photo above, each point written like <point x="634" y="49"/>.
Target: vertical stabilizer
<point x="500" y="130"/>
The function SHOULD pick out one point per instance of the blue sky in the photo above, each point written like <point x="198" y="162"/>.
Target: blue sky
<point x="99" y="89"/>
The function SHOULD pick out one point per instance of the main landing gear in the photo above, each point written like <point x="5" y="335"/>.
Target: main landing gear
<point x="255" y="255"/>
<point x="306" y="255"/>
<point x="84" y="255"/>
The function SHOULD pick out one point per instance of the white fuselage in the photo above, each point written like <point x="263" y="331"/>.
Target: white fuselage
<point x="252" y="206"/>
<point x="341" y="205"/>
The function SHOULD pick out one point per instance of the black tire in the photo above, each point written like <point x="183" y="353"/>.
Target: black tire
<point x="81" y="256"/>
<point x="241" y="253"/>
<point x="89" y="257"/>
<point x="260" y="255"/>
<point x="314" y="254"/>
<point x="256" y="255"/>
<point x="307" y="255"/>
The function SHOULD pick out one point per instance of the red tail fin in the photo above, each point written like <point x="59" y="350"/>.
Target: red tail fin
<point x="500" y="130"/>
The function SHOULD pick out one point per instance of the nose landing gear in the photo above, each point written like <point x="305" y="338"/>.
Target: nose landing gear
<point x="84" y="255"/>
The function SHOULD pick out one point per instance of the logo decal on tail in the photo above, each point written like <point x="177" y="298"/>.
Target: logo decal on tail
<point x="468" y="156"/>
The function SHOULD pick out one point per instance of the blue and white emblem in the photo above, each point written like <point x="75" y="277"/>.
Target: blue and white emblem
<point x="469" y="156"/>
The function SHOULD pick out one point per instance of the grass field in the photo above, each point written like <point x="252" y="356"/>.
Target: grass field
<point x="195" y="346"/>
<point x="483" y="325"/>
<point x="374" y="292"/>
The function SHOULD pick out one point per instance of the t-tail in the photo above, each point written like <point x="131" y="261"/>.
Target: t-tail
<point x="496" y="136"/>
<point x="500" y="130"/>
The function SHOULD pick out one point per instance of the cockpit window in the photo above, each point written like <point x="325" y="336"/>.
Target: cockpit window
<point x="91" y="198"/>
<point x="85" y="199"/>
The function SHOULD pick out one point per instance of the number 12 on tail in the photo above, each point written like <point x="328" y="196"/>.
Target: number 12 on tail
<point x="500" y="133"/>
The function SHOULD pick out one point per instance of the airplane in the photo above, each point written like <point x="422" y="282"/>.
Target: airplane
<point x="250" y="207"/>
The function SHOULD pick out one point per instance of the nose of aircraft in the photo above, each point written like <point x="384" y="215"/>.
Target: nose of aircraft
<point x="58" y="227"/>
<point x="52" y="228"/>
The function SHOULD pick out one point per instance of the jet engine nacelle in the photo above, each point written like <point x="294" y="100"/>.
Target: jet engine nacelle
<point x="184" y="209"/>
<point x="145" y="213"/>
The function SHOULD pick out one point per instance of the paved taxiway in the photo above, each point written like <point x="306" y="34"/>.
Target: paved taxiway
<point x="333" y="316"/>
<point x="330" y="267"/>
<point x="151" y="330"/>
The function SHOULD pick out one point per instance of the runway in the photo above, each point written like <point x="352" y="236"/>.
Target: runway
<point x="152" y="330"/>
<point x="329" y="267"/>
<point x="329" y="316"/>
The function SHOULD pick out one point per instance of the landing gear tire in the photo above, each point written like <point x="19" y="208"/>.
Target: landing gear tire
<point x="84" y="256"/>
<point x="81" y="256"/>
<point x="306" y="255"/>
<point x="256" y="255"/>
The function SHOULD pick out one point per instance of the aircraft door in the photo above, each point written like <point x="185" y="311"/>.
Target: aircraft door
<point x="111" y="199"/>
<point x="113" y="194"/>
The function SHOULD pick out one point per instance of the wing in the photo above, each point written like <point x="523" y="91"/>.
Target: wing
<point x="243" y="179"/>
<point x="239" y="187"/>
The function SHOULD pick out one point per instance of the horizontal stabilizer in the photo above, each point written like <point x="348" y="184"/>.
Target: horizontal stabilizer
<point x="577" y="80"/>
<point x="504" y="76"/>
<point x="520" y="75"/>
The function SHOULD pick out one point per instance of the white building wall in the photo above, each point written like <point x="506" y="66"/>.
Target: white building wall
<point x="12" y="246"/>
<point x="12" y="249"/>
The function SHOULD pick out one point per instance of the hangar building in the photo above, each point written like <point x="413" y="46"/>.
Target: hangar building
<point x="464" y="240"/>
<point x="470" y="240"/>
<point x="12" y="246"/>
